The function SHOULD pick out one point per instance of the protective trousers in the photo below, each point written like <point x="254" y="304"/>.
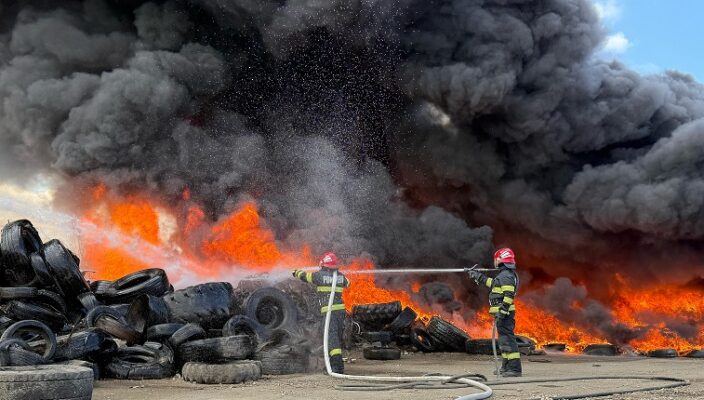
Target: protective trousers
<point x="337" y="320"/>
<point x="507" y="344"/>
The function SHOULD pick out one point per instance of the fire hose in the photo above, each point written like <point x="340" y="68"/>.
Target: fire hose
<point x="464" y="381"/>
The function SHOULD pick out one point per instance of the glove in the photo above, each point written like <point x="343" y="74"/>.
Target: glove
<point x="503" y="311"/>
<point x="475" y="275"/>
<point x="295" y="272"/>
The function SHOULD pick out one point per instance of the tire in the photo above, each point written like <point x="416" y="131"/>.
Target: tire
<point x="384" y="337"/>
<point x="18" y="241"/>
<point x="151" y="361"/>
<point x="118" y="329"/>
<point x="48" y="337"/>
<point x="604" y="349"/>
<point x="402" y="321"/>
<point x="229" y="373"/>
<point x="481" y="346"/>
<point x="381" y="353"/>
<point x="43" y="277"/>
<point x="243" y="325"/>
<point x="100" y="311"/>
<point x="16" y="352"/>
<point x="100" y="288"/>
<point x="146" y="311"/>
<point x="555" y="347"/>
<point x="403" y="340"/>
<point x="79" y="345"/>
<point x="216" y="349"/>
<point x="187" y="333"/>
<point x="24" y="310"/>
<point x="422" y="341"/>
<point x="162" y="332"/>
<point x="20" y="292"/>
<point x="272" y="308"/>
<point x="46" y="382"/>
<point x="695" y="354"/>
<point x="63" y="265"/>
<point x="451" y="337"/>
<point x="153" y="282"/>
<point x="663" y="353"/>
<point x="85" y="364"/>
<point x="526" y="345"/>
<point x="207" y="305"/>
<point x="375" y="316"/>
<point x="52" y="299"/>
<point x="88" y="301"/>
<point x="281" y="360"/>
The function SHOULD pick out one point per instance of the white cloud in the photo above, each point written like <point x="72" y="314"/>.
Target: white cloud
<point x="616" y="44"/>
<point x="609" y="11"/>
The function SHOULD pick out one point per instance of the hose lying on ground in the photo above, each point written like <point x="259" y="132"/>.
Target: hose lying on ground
<point x="464" y="381"/>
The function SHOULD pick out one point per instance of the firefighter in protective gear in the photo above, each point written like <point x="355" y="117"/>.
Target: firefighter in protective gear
<point x="323" y="279"/>
<point x="503" y="289"/>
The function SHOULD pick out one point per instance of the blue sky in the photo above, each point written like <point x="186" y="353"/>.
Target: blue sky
<point x="654" y="35"/>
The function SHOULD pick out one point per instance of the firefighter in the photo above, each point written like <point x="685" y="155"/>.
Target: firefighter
<point x="503" y="292"/>
<point x="323" y="279"/>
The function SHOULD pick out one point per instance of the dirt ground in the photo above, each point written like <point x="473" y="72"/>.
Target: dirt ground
<point x="320" y="386"/>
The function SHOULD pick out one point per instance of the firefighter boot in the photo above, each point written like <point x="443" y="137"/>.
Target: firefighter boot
<point x="336" y="364"/>
<point x="513" y="369"/>
<point x="503" y="366"/>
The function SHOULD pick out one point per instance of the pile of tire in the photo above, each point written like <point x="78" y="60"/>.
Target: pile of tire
<point x="136" y="327"/>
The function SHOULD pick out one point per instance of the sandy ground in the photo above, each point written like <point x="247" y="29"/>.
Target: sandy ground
<point x="319" y="386"/>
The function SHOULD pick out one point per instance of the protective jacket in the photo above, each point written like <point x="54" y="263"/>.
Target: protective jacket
<point x="502" y="292"/>
<point x="323" y="280"/>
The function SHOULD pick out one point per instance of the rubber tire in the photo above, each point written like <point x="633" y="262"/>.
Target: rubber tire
<point x="663" y="353"/>
<point x="42" y="275"/>
<point x="146" y="311"/>
<point x="48" y="336"/>
<point x="97" y="312"/>
<point x="380" y="336"/>
<point x="64" y="266"/>
<point x="600" y="349"/>
<point x="555" y="347"/>
<point x="100" y="287"/>
<point x="118" y="329"/>
<point x="46" y="382"/>
<point x="19" y="292"/>
<point x="18" y="241"/>
<point x="281" y="360"/>
<point x="52" y="299"/>
<point x="695" y="354"/>
<point x="422" y="341"/>
<point x="19" y="311"/>
<point x="376" y="315"/>
<point x="228" y="373"/>
<point x="451" y="337"/>
<point x="88" y="301"/>
<point x="404" y="320"/>
<point x="481" y="346"/>
<point x="16" y="352"/>
<point x="281" y="304"/>
<point x="381" y="353"/>
<point x="217" y="349"/>
<point x="85" y="364"/>
<point x="151" y="361"/>
<point x="79" y="344"/>
<point x="243" y="325"/>
<point x="162" y="332"/>
<point x="153" y="282"/>
<point x="402" y="340"/>
<point x="207" y="304"/>
<point x="186" y="333"/>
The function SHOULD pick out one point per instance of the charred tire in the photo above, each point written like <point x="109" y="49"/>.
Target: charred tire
<point x="217" y="349"/>
<point x="43" y="278"/>
<point x="161" y="332"/>
<point x="402" y="321"/>
<point x="119" y="329"/>
<point x="450" y="336"/>
<point x="100" y="311"/>
<point x="63" y="265"/>
<point x="381" y="336"/>
<point x="381" y="353"/>
<point x="18" y="241"/>
<point x="51" y="299"/>
<point x="243" y="325"/>
<point x="16" y="352"/>
<point x="281" y="360"/>
<point x="100" y="288"/>
<point x="9" y="293"/>
<point x="695" y="354"/>
<point x="600" y="349"/>
<point x="207" y="304"/>
<point x="375" y="316"/>
<point x="146" y="311"/>
<point x="422" y="341"/>
<point x="88" y="301"/>
<point x="151" y="361"/>
<point x="153" y="282"/>
<point x="79" y="344"/>
<point x="25" y="310"/>
<point x="555" y="347"/>
<point x="663" y="353"/>
<point x="233" y="372"/>
<point x="186" y="333"/>
<point x="480" y="346"/>
<point x="15" y="330"/>
<point x="46" y="382"/>
<point x="403" y="340"/>
<point x="272" y="308"/>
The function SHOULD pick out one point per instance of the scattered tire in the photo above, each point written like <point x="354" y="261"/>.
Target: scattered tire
<point x="20" y="292"/>
<point x="480" y="346"/>
<point x="151" y="361"/>
<point x="663" y="353"/>
<point x="207" y="304"/>
<point x="100" y="288"/>
<point x="217" y="349"/>
<point x="16" y="352"/>
<point x="422" y="341"/>
<point x="403" y="340"/>
<point x="451" y="337"/>
<point x="272" y="308"/>
<point x="145" y="311"/>
<point x="555" y="347"/>
<point x="48" y="344"/>
<point x="85" y="364"/>
<point x="26" y="310"/>
<point x="161" y="332"/>
<point x="63" y="265"/>
<point x="601" y="349"/>
<point x="526" y="345"/>
<point x="380" y="337"/>
<point x="375" y="316"/>
<point x="153" y="282"/>
<point x="79" y="345"/>
<point x="46" y="382"/>
<point x="118" y="329"/>
<point x="100" y="311"/>
<point x="281" y="360"/>
<point x="51" y="299"/>
<point x="229" y="373"/>
<point x="381" y="353"/>
<point x="18" y="241"/>
<point x="88" y="301"/>
<point x="243" y="325"/>
<point x="187" y="333"/>
<point x="42" y="276"/>
<point x="402" y="321"/>
<point x="695" y="354"/>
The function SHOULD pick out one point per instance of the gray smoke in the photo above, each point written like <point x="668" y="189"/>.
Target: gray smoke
<point x="399" y="129"/>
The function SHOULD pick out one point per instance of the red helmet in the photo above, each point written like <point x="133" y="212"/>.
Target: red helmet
<point x="504" y="255"/>
<point x="328" y="260"/>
